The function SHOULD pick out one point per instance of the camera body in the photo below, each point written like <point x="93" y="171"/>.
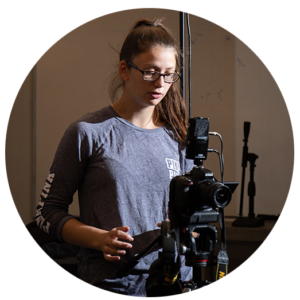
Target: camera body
<point x="194" y="203"/>
<point x="196" y="196"/>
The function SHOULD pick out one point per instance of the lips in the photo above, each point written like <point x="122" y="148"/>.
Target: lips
<point x="155" y="95"/>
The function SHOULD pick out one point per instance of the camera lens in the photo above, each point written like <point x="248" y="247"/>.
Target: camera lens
<point x="220" y="195"/>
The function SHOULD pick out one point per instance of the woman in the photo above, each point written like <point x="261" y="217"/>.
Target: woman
<point x="121" y="159"/>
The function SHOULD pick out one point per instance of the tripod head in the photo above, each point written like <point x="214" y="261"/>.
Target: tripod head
<point x="164" y="273"/>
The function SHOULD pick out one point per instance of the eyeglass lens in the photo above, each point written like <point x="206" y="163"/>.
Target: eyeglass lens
<point x="152" y="76"/>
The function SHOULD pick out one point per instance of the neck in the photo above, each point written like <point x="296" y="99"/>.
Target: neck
<point x="139" y="116"/>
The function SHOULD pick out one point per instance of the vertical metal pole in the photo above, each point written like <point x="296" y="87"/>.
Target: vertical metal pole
<point x="34" y="204"/>
<point x="182" y="38"/>
<point x="189" y="67"/>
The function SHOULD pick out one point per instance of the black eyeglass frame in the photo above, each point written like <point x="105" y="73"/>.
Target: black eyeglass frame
<point x="160" y="74"/>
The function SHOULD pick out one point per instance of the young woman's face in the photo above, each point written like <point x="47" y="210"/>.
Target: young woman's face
<point x="150" y="93"/>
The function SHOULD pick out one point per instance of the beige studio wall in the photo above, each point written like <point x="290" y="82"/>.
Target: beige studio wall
<point x="230" y="85"/>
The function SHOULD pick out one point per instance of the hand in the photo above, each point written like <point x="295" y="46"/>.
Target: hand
<point x="112" y="247"/>
<point x="159" y="224"/>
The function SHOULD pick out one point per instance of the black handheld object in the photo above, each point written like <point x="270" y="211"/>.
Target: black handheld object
<point x="126" y="269"/>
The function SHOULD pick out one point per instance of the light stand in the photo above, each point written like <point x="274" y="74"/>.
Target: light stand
<point x="182" y="47"/>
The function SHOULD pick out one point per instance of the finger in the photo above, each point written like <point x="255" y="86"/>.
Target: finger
<point x="195" y="234"/>
<point x="108" y="257"/>
<point x="112" y="254"/>
<point x="119" y="244"/>
<point x="159" y="224"/>
<point x="119" y="233"/>
<point x="113" y="251"/>
<point x="123" y="228"/>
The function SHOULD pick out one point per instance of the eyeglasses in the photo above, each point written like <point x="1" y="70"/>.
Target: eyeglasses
<point x="154" y="75"/>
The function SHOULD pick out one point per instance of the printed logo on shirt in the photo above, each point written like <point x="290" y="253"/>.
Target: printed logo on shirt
<point x="41" y="222"/>
<point x="173" y="167"/>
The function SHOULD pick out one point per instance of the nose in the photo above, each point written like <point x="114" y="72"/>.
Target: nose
<point x="160" y="81"/>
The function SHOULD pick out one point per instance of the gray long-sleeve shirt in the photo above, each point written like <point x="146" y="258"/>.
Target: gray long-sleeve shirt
<point x="122" y="174"/>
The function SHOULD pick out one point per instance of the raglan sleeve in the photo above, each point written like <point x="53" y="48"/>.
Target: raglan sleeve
<point x="64" y="178"/>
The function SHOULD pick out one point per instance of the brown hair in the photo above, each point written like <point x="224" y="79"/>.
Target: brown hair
<point x="145" y="35"/>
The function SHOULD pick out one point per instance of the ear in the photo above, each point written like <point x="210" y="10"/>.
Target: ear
<point x="123" y="70"/>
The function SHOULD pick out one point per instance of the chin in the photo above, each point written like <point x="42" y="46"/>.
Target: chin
<point x="154" y="102"/>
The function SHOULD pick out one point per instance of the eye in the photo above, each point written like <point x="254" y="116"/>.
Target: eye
<point x="169" y="74"/>
<point x="149" y="73"/>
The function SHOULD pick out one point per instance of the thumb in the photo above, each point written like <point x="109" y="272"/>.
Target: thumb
<point x="159" y="224"/>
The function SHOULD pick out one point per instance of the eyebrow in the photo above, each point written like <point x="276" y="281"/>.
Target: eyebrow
<point x="156" y="67"/>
